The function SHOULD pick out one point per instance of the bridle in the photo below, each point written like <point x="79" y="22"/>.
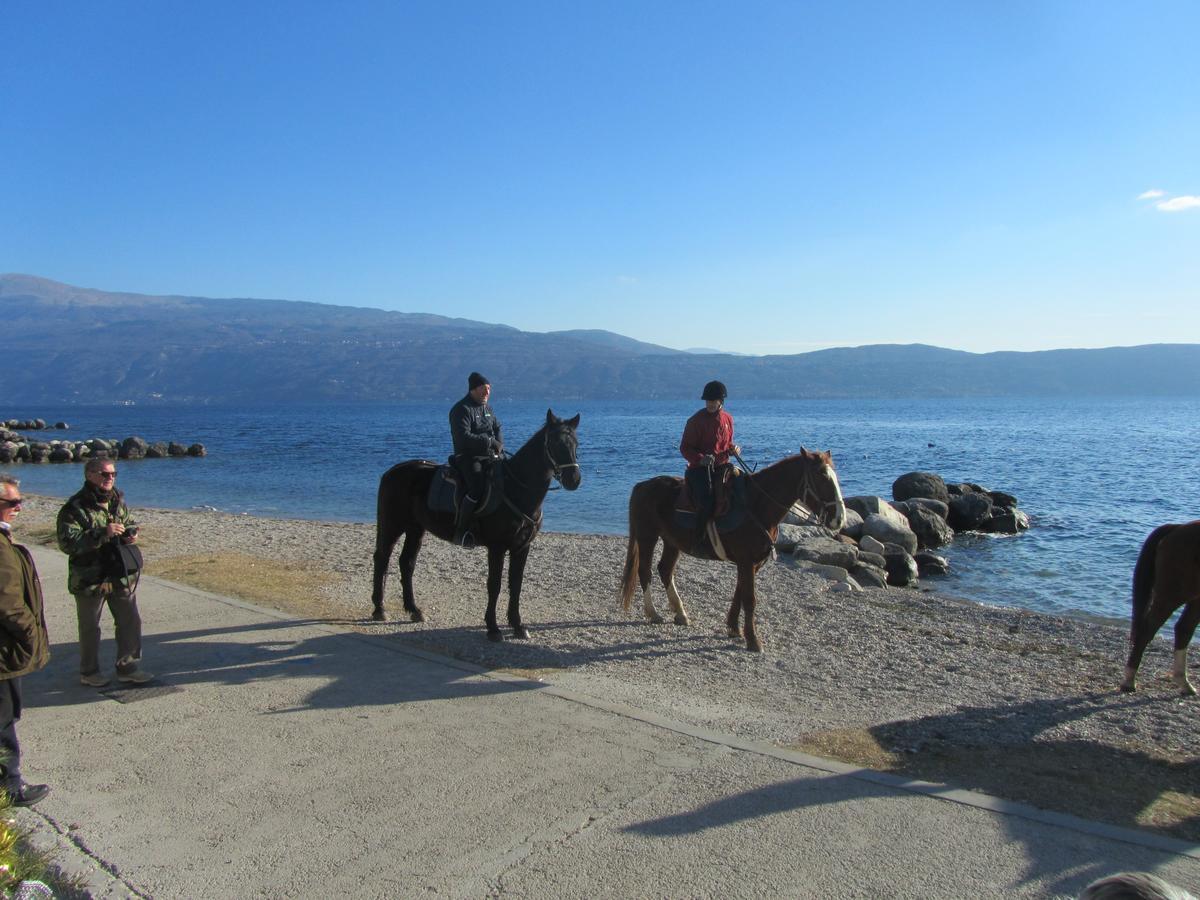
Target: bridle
<point x="556" y="466"/>
<point x="808" y="492"/>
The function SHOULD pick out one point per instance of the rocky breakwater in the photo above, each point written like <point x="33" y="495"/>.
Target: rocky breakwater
<point x="17" y="448"/>
<point x="890" y="543"/>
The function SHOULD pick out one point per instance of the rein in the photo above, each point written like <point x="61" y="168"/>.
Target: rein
<point x="807" y="492"/>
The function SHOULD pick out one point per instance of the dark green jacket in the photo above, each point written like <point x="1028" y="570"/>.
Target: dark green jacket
<point x="82" y="527"/>
<point x="24" y="644"/>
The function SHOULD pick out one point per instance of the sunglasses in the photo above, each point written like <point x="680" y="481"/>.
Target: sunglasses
<point x="10" y="503"/>
<point x="104" y="475"/>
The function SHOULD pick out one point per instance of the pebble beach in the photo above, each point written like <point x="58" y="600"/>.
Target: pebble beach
<point x="918" y="672"/>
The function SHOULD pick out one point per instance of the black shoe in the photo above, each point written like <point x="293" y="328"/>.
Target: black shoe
<point x="29" y="794"/>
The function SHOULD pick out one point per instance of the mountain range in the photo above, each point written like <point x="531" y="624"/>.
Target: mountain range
<point x="79" y="345"/>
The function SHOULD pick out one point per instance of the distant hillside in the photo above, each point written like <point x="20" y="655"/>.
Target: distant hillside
<point x="87" y="346"/>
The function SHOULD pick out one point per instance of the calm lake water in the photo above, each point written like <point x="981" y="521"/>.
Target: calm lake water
<point x="1094" y="475"/>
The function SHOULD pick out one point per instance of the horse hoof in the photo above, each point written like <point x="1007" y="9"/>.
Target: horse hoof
<point x="681" y="619"/>
<point x="495" y="637"/>
<point x="1187" y="691"/>
<point x="754" y="646"/>
<point x="416" y="615"/>
<point x="378" y="615"/>
<point x="521" y="632"/>
<point x="735" y="633"/>
<point x="1127" y="689"/>
<point x="655" y="619"/>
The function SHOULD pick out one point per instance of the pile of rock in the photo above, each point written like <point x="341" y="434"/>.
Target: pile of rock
<point x="32" y="425"/>
<point x="891" y="542"/>
<point x="16" y="448"/>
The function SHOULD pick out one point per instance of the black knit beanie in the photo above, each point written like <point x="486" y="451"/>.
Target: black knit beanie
<point x="474" y="380"/>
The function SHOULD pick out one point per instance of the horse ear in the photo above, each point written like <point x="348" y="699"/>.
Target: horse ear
<point x="574" y="423"/>
<point x="551" y="418"/>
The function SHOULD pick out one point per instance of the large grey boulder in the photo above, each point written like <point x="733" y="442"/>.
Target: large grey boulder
<point x="8" y="451"/>
<point x="157" y="450"/>
<point x="133" y="448"/>
<point x="196" y="450"/>
<point x="853" y="526"/>
<point x="931" y="564"/>
<point x="833" y="573"/>
<point x="930" y="528"/>
<point x="61" y="453"/>
<point x="1007" y="521"/>
<point x="887" y="530"/>
<point x="969" y="511"/>
<point x="901" y="567"/>
<point x="920" y="484"/>
<point x="870" y="575"/>
<point x="826" y="551"/>
<point x="174" y="448"/>
<point x="868" y="544"/>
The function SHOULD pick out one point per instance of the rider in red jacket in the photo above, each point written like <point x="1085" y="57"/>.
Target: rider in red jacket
<point x="707" y="444"/>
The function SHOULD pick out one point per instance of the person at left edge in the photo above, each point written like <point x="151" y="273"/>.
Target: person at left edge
<point x="24" y="643"/>
<point x="475" y="431"/>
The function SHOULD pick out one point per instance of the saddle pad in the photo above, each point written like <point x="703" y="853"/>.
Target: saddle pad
<point x="442" y="488"/>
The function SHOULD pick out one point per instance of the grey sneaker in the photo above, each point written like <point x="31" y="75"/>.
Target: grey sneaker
<point x="137" y="676"/>
<point x="95" y="680"/>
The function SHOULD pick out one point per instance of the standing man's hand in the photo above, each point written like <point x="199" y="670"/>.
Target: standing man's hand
<point x="114" y="529"/>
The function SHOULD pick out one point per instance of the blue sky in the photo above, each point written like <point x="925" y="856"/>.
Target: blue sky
<point x="756" y="177"/>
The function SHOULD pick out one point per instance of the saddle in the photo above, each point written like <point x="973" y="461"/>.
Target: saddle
<point x="729" y="507"/>
<point x="445" y="491"/>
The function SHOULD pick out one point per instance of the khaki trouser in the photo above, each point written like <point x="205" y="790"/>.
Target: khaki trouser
<point x="127" y="625"/>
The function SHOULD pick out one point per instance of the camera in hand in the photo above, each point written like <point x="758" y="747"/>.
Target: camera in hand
<point x="131" y="531"/>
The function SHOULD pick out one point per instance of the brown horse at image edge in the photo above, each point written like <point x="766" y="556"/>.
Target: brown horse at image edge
<point x="807" y="477"/>
<point x="1166" y="577"/>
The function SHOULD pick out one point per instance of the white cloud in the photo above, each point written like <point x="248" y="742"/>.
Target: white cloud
<point x="1177" y="204"/>
<point x="1152" y="194"/>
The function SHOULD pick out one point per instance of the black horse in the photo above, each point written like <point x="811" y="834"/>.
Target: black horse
<point x="403" y="510"/>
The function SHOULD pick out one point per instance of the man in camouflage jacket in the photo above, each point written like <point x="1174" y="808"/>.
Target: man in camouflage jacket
<point x="93" y="517"/>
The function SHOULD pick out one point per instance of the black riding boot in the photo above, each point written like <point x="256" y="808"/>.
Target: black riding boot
<point x="462" y="523"/>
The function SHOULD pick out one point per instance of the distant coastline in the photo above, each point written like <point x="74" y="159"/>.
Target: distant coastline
<point x="199" y="351"/>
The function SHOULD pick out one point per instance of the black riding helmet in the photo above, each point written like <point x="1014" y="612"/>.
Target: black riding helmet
<point x="714" y="390"/>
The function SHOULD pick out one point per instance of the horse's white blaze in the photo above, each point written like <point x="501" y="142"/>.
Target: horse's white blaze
<point x="648" y="606"/>
<point x="841" y="506"/>
<point x="1179" y="672"/>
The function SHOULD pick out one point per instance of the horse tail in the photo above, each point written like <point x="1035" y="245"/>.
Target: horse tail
<point x="1143" y="574"/>
<point x="629" y="578"/>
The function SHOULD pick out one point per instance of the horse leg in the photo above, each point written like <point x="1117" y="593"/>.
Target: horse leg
<point x="1143" y="632"/>
<point x="495" y="576"/>
<point x="645" y="560"/>
<point x="745" y="587"/>
<point x="732" y="624"/>
<point x="408" y="563"/>
<point x="386" y="536"/>
<point x="666" y="573"/>
<point x="516" y="573"/>
<point x="1184" y="629"/>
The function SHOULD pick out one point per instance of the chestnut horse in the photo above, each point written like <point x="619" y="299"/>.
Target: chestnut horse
<point x="402" y="509"/>
<point x="771" y="492"/>
<point x="1166" y="577"/>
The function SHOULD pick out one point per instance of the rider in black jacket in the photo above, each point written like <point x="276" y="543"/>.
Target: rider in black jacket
<point x="475" y="431"/>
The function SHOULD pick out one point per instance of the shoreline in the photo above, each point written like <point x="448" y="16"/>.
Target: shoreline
<point x="1011" y="702"/>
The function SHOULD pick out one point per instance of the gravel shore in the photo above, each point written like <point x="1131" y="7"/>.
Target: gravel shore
<point x="914" y="674"/>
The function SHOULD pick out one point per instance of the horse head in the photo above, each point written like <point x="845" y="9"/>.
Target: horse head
<point x="820" y="490"/>
<point x="561" y="447"/>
